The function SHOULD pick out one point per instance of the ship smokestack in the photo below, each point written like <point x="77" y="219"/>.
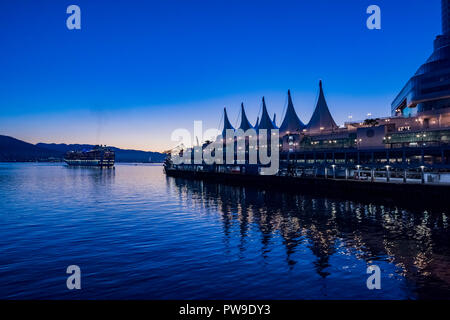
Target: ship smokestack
<point x="445" y="4"/>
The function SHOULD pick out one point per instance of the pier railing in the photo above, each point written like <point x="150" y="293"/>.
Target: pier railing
<point x="401" y="165"/>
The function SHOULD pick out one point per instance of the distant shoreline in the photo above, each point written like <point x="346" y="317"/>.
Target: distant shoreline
<point x="62" y="162"/>
<point x="14" y="150"/>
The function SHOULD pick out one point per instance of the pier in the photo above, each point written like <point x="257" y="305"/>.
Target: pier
<point x="408" y="174"/>
<point x="405" y="155"/>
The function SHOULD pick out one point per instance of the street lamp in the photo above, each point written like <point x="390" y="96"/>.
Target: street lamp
<point x="422" y="174"/>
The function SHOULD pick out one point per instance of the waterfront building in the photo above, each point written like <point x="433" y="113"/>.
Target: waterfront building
<point x="414" y="142"/>
<point x="429" y="88"/>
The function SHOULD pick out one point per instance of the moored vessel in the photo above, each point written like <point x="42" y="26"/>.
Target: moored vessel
<point x="99" y="156"/>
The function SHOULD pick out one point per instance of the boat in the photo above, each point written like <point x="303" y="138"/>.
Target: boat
<point x="99" y="156"/>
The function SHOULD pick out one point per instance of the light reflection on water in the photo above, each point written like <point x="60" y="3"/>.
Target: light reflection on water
<point x="138" y="234"/>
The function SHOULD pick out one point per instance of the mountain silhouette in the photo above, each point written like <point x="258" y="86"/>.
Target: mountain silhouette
<point x="15" y="150"/>
<point x="12" y="149"/>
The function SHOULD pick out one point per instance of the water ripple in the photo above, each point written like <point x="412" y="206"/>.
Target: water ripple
<point x="136" y="233"/>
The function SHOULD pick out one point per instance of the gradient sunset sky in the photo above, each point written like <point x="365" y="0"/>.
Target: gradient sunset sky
<point x="137" y="70"/>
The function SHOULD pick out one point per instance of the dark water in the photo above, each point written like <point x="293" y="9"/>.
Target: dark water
<point x="138" y="234"/>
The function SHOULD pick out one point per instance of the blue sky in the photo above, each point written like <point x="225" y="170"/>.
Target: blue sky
<point x="137" y="70"/>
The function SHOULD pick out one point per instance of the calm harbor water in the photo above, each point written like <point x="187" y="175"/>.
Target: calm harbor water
<point x="137" y="234"/>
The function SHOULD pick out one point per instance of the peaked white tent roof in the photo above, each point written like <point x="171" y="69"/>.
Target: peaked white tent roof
<point x="321" y="118"/>
<point x="266" y="122"/>
<point x="257" y="123"/>
<point x="226" y="123"/>
<point x="291" y="122"/>
<point x="245" y="124"/>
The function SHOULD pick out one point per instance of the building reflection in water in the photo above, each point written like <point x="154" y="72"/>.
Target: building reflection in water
<point x="415" y="241"/>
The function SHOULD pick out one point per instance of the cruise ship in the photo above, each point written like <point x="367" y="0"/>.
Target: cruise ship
<point x="99" y="156"/>
<point x="412" y="145"/>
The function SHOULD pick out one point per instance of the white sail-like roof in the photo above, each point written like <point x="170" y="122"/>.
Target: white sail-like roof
<point x="291" y="122"/>
<point x="321" y="119"/>
<point x="266" y="122"/>
<point x="245" y="124"/>
<point x="226" y="123"/>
